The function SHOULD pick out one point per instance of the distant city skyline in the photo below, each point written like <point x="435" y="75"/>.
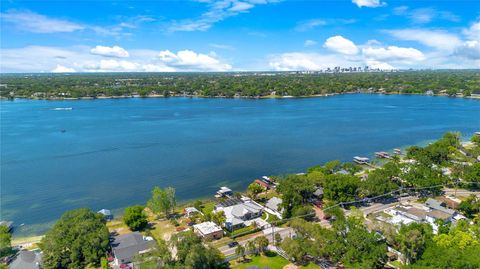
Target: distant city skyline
<point x="237" y="35"/>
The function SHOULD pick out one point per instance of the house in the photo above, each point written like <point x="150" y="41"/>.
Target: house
<point x="107" y="214"/>
<point x="239" y="212"/>
<point x="191" y="211"/>
<point x="125" y="247"/>
<point x="273" y="206"/>
<point x="224" y="192"/>
<point x="406" y="215"/>
<point x="438" y="205"/>
<point x="26" y="260"/>
<point x="449" y="202"/>
<point x="208" y="230"/>
<point x="262" y="183"/>
<point x="318" y="193"/>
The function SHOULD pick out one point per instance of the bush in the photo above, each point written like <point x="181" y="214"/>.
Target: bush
<point x="134" y="218"/>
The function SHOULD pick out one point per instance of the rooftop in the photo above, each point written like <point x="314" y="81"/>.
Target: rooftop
<point x="26" y="260"/>
<point x="127" y="246"/>
<point x="207" y="227"/>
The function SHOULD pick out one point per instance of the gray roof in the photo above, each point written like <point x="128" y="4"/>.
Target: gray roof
<point x="318" y="192"/>
<point x="435" y="204"/>
<point x="26" y="260"/>
<point x="127" y="246"/>
<point x="105" y="212"/>
<point x="273" y="203"/>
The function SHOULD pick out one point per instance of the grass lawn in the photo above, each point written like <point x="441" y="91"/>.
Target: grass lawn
<point x="208" y="207"/>
<point x="272" y="260"/>
<point x="163" y="229"/>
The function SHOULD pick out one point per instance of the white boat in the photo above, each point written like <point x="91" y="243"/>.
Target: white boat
<point x="361" y="160"/>
<point x="63" y="108"/>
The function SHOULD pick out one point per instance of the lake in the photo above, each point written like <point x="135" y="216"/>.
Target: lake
<point x="110" y="153"/>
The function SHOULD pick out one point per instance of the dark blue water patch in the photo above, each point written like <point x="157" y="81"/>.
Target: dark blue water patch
<point x="110" y="153"/>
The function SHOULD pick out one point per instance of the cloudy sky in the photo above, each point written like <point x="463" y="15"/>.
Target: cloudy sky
<point x="237" y="35"/>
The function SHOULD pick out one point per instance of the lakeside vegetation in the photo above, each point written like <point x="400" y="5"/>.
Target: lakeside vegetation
<point x="249" y="85"/>
<point x="80" y="238"/>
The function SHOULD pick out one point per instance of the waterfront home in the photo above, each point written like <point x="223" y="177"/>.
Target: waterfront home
<point x="208" y="230"/>
<point x="224" y="192"/>
<point x="273" y="206"/>
<point x="239" y="212"/>
<point x="127" y="246"/>
<point x="191" y="211"/>
<point x="262" y="183"/>
<point x="361" y="160"/>
<point x="107" y="214"/>
<point x="26" y="259"/>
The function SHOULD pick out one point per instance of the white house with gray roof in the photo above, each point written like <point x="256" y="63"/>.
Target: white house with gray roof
<point x="239" y="212"/>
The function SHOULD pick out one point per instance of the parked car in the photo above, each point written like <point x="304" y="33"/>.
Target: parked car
<point x="233" y="244"/>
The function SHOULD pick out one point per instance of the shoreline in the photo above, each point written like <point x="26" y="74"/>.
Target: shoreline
<point x="33" y="238"/>
<point x="475" y="97"/>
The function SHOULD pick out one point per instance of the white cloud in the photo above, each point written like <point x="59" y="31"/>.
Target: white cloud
<point x="432" y="38"/>
<point x="368" y="3"/>
<point x="294" y="61"/>
<point x="473" y="32"/>
<point x="425" y="15"/>
<point x="217" y="11"/>
<point x="309" y="43"/>
<point x="191" y="60"/>
<point x="341" y="45"/>
<point x="373" y="64"/>
<point x="36" y="23"/>
<point x="49" y="59"/>
<point x="63" y="69"/>
<point x="221" y="46"/>
<point x="240" y="6"/>
<point x="310" y="24"/>
<point x="469" y="49"/>
<point x="114" y="51"/>
<point x="393" y="53"/>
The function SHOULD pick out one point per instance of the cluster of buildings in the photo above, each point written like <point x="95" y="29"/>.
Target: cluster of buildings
<point x="430" y="212"/>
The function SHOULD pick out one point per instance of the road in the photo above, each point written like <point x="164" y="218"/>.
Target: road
<point x="375" y="207"/>
<point x="284" y="232"/>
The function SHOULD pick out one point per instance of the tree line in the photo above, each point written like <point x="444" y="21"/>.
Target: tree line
<point x="452" y="82"/>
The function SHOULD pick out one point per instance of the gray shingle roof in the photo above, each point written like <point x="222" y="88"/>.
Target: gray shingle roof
<point x="26" y="260"/>
<point x="127" y="246"/>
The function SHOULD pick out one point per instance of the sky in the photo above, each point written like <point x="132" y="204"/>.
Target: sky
<point x="237" y="35"/>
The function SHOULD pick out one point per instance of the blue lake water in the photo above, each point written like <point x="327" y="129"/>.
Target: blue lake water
<point x="114" y="151"/>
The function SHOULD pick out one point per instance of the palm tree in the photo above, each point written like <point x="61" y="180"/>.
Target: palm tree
<point x="240" y="251"/>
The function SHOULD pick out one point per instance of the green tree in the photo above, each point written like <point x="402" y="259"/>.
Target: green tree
<point x="262" y="243"/>
<point x="218" y="217"/>
<point x="135" y="218"/>
<point x="341" y="188"/>
<point x="78" y="239"/>
<point x="294" y="249"/>
<point x="162" y="201"/>
<point x="254" y="189"/>
<point x="240" y="251"/>
<point x="412" y="240"/>
<point x="5" y="241"/>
